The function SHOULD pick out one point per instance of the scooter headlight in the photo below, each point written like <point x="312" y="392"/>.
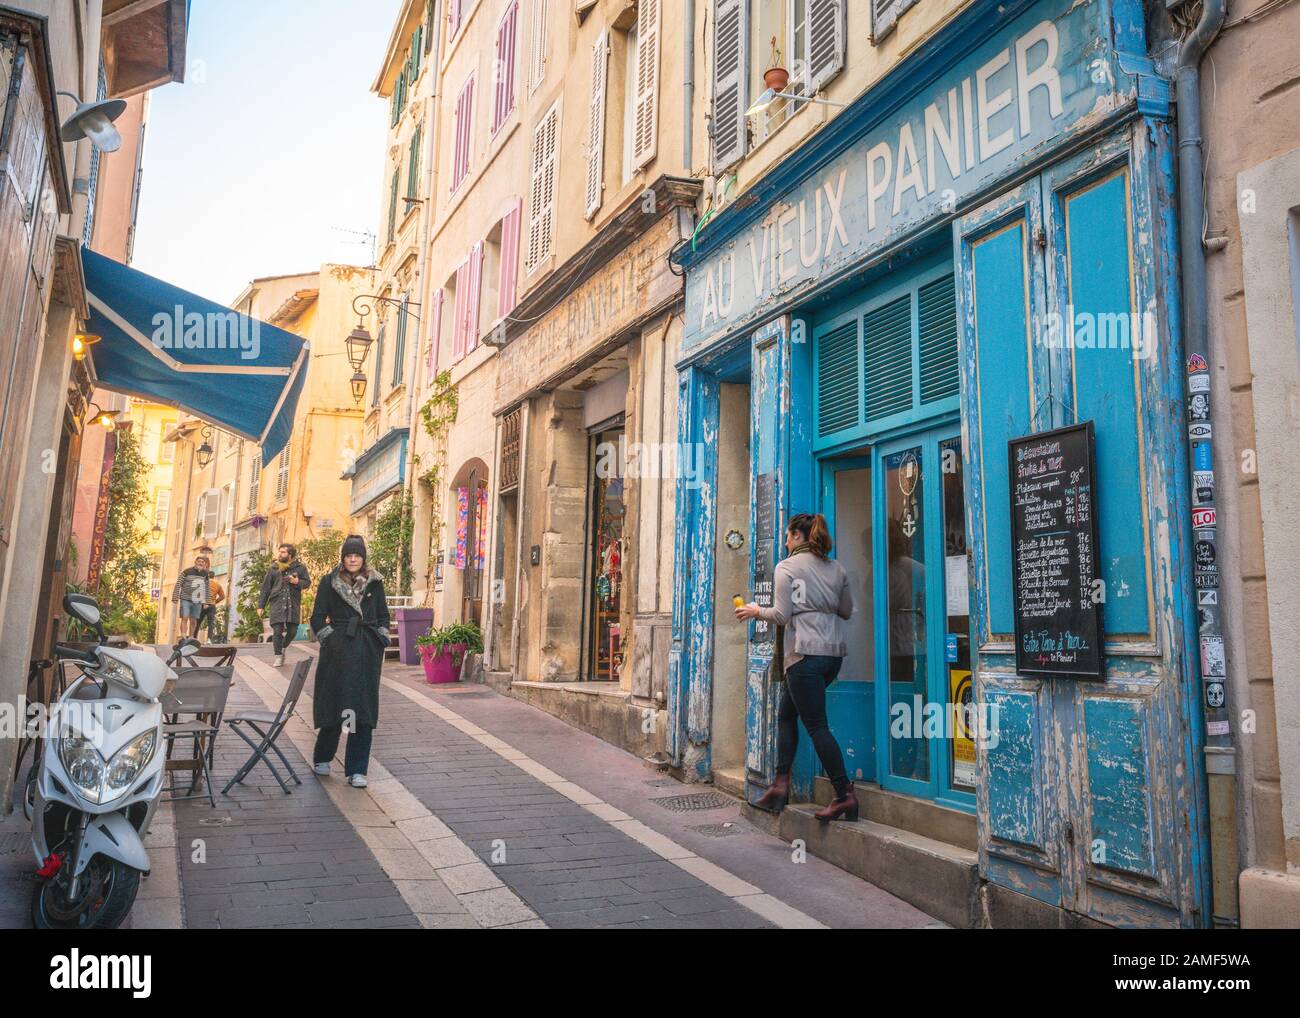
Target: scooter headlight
<point x="127" y="763"/>
<point x="117" y="671"/>
<point x="84" y="765"/>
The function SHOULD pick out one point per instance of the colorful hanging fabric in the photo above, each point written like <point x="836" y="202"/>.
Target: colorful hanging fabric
<point x="480" y="518"/>
<point x="462" y="526"/>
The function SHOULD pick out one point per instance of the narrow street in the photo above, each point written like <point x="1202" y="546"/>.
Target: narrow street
<point x="461" y="828"/>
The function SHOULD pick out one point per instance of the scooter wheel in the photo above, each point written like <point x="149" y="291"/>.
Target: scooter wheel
<point x="111" y="889"/>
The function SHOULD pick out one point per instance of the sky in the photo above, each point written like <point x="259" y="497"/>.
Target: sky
<point x="271" y="147"/>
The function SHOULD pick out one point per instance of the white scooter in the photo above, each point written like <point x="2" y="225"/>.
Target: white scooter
<point x="98" y="780"/>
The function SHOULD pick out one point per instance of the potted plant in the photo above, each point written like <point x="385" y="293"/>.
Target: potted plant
<point x="443" y="650"/>
<point x="776" y="77"/>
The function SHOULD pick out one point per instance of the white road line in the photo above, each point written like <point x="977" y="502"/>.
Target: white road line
<point x="440" y="877"/>
<point x="715" y="876"/>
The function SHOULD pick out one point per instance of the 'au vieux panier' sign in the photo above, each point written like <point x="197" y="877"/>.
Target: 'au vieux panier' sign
<point x="1054" y="554"/>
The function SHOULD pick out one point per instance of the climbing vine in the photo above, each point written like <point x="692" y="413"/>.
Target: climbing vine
<point x="390" y="543"/>
<point x="124" y="580"/>
<point x="437" y="414"/>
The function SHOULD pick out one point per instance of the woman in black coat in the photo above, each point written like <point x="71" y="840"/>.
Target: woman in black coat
<point x="350" y="620"/>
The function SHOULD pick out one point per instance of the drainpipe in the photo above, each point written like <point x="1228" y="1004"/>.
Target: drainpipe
<point x="688" y="86"/>
<point x="1220" y="758"/>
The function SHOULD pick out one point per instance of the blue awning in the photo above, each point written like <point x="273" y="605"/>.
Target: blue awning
<point x="167" y="345"/>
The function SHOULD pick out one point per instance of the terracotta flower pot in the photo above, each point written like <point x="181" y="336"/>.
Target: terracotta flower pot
<point x="776" y="78"/>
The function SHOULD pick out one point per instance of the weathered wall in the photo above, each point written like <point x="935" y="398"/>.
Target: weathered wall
<point x="1251" y="103"/>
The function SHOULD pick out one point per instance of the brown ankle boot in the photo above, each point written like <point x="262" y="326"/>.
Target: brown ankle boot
<point x="776" y="796"/>
<point x="843" y="807"/>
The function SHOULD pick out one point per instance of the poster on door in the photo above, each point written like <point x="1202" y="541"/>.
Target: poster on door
<point x="961" y="697"/>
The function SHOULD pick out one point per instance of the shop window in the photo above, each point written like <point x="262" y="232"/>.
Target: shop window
<point x="607" y="552"/>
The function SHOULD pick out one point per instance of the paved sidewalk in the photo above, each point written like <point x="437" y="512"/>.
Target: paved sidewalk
<point x="481" y="812"/>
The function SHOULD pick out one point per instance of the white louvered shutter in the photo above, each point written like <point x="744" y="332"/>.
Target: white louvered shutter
<point x="211" y="512"/>
<point x="596" y="124"/>
<point x="537" y="49"/>
<point x="826" y="42"/>
<point x="541" y="206"/>
<point x="254" y="480"/>
<point x="508" y="282"/>
<point x="730" y="31"/>
<point x="435" y="337"/>
<point x="645" y="114"/>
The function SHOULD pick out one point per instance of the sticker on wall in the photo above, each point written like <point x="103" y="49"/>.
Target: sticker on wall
<point x="1216" y="728"/>
<point x="1197" y="363"/>
<point x="1214" y="695"/>
<point x="1212" y="662"/>
<point x="1199" y="383"/>
<point x="962" y="693"/>
<point x="1206" y="618"/>
<point x="950" y="647"/>
<point x="1202" y="486"/>
<point x="1198" y="407"/>
<point x="1205" y="554"/>
<point x="1207" y="597"/>
<point x="1203" y="519"/>
<point x="1205" y="577"/>
<point x="1201" y="457"/>
<point x="1199" y="431"/>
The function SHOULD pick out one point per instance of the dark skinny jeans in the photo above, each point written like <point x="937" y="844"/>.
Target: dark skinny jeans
<point x="804" y="698"/>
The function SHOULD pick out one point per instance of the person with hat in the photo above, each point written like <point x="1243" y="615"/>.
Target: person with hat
<point x="350" y="620"/>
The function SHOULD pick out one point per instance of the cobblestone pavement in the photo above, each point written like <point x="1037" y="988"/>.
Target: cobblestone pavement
<point x="481" y="812"/>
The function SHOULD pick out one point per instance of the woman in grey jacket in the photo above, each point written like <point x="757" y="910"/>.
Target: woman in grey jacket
<point x="812" y="600"/>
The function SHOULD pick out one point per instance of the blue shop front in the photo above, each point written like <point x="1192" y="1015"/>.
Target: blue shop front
<point x="980" y="248"/>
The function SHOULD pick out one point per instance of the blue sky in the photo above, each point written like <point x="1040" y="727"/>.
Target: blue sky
<point x="273" y="140"/>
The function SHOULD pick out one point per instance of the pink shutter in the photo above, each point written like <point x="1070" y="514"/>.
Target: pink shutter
<point x="504" y="99"/>
<point x="509" y="260"/>
<point x="435" y="337"/>
<point x="453" y="15"/>
<point x="475" y="297"/>
<point x="459" y="330"/>
<point x="464" y="124"/>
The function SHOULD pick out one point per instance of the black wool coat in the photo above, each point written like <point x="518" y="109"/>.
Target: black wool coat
<point x="351" y="651"/>
<point x="280" y="598"/>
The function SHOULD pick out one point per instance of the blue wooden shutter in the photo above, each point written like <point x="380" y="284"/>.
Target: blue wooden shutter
<point x="887" y="349"/>
<point x="839" y="379"/>
<point x="937" y="327"/>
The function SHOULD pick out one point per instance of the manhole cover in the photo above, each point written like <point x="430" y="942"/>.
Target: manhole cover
<point x="693" y="802"/>
<point x="10" y="843"/>
<point x="718" y="830"/>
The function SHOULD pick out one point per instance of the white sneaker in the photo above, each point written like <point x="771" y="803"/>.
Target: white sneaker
<point x="278" y="662"/>
<point x="357" y="780"/>
<point x="321" y="768"/>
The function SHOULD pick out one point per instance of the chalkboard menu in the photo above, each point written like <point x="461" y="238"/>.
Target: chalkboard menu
<point x="764" y="553"/>
<point x="1054" y="553"/>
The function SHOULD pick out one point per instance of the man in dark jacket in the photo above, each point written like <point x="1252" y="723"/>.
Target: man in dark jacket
<point x="281" y="598"/>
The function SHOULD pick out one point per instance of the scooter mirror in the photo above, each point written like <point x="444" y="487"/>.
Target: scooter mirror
<point x="83" y="608"/>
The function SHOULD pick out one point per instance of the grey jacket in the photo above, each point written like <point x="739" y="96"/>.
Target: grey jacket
<point x="812" y="601"/>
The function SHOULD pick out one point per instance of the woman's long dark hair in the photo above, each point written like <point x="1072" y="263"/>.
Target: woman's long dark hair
<point x="812" y="529"/>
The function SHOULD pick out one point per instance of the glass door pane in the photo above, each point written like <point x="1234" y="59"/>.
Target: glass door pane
<point x="905" y="613"/>
<point x="960" y="687"/>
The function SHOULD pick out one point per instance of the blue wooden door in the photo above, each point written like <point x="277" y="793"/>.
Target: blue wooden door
<point x="1090" y="794"/>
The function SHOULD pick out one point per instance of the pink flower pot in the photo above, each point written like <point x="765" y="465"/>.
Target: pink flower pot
<point x="444" y="666"/>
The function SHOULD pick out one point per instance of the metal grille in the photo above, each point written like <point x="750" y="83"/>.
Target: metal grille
<point x="718" y="830"/>
<point x="693" y="802"/>
<point x="510" y="425"/>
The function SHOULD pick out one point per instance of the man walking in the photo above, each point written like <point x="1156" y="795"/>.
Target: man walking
<point x="192" y="594"/>
<point x="282" y="598"/>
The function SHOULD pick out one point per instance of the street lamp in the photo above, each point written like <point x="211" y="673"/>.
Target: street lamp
<point x="358" y="386"/>
<point x="204" y="454"/>
<point x="94" y="120"/>
<point x="81" y="342"/>
<point x="358" y="346"/>
<point x="106" y="419"/>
